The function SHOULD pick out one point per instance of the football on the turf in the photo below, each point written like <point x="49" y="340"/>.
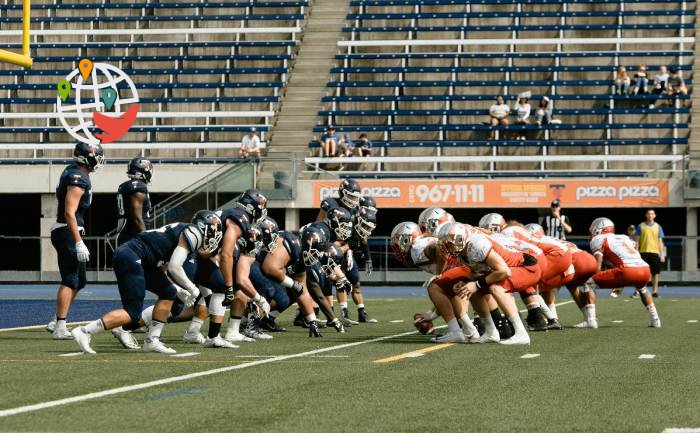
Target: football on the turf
<point x="425" y="327"/>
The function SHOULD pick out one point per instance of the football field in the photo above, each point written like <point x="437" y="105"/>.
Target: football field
<point x="623" y="377"/>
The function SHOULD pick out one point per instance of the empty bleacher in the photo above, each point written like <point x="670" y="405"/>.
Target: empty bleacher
<point x="418" y="76"/>
<point x="205" y="71"/>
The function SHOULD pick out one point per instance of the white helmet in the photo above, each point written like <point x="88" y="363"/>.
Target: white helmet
<point x="402" y="238"/>
<point x="453" y="238"/>
<point x="535" y="229"/>
<point x="493" y="222"/>
<point x="601" y="225"/>
<point x="431" y="218"/>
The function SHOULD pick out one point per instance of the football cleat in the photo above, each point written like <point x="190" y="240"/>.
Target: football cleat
<point x="237" y="337"/>
<point x="299" y="320"/>
<point x="126" y="338"/>
<point x="554" y="324"/>
<point x="313" y="329"/>
<point x="634" y="295"/>
<point x="51" y="325"/>
<point x="614" y="294"/>
<point x="62" y="333"/>
<point x="268" y="323"/>
<point x="153" y="344"/>
<point x="363" y="317"/>
<point x="345" y="318"/>
<point x="592" y="324"/>
<point x="252" y="330"/>
<point x="193" y="338"/>
<point x="449" y="337"/>
<point x="535" y="320"/>
<point x="655" y="323"/>
<point x="218" y="342"/>
<point x="486" y="338"/>
<point x="82" y="338"/>
<point x="517" y="339"/>
<point x="470" y="337"/>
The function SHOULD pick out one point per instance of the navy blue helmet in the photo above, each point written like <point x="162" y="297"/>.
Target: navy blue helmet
<point x="339" y="220"/>
<point x="209" y="225"/>
<point x="89" y="155"/>
<point x="254" y="203"/>
<point x="313" y="245"/>
<point x="349" y="193"/>
<point x="140" y="169"/>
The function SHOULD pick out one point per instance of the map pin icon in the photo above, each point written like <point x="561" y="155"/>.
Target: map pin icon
<point x="109" y="95"/>
<point x="63" y="87"/>
<point x="85" y="67"/>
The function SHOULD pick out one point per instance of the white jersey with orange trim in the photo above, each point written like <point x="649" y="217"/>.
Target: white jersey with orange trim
<point x="618" y="250"/>
<point x="546" y="243"/>
<point x="517" y="244"/>
<point x="478" y="249"/>
<point x="418" y="256"/>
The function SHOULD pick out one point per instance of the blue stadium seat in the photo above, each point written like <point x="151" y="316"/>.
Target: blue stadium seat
<point x="491" y="97"/>
<point x="140" y="128"/>
<point x="518" y="143"/>
<point x="477" y="2"/>
<point x="524" y="55"/>
<point x="513" y="14"/>
<point x="164" y="5"/>
<point x="168" y="18"/>
<point x="520" y="28"/>
<point x="491" y="69"/>
<point x="233" y="85"/>
<point x="233" y="99"/>
<point x="133" y="72"/>
<point x="484" y="112"/>
<point x="488" y="83"/>
<point x="481" y="127"/>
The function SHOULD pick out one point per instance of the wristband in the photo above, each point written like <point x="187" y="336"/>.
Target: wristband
<point x="287" y="283"/>
<point x="481" y="283"/>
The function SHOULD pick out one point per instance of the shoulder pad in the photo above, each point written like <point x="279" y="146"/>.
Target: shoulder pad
<point x="193" y="237"/>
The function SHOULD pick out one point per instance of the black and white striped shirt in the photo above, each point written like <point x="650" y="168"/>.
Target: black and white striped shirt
<point x="552" y="226"/>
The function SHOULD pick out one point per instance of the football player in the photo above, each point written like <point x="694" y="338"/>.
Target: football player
<point x="320" y="279"/>
<point x="628" y="268"/>
<point x="285" y="266"/>
<point x="133" y="201"/>
<point x="137" y="266"/>
<point x="432" y="218"/>
<point x="249" y="208"/>
<point x="414" y="248"/>
<point x="585" y="266"/>
<point x="74" y="194"/>
<point x="488" y="268"/>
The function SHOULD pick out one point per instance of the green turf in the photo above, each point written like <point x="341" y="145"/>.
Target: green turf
<point x="583" y="380"/>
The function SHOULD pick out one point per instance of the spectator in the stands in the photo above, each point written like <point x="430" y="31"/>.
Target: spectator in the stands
<point x="622" y="82"/>
<point x="363" y="147"/>
<point x="660" y="84"/>
<point x="346" y="145"/>
<point x="543" y="115"/>
<point x="250" y="145"/>
<point x="499" y="113"/>
<point x="676" y="85"/>
<point x="522" y="110"/>
<point x="641" y="81"/>
<point x="329" y="141"/>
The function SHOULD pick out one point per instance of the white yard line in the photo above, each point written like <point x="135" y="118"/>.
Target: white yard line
<point x="71" y="354"/>
<point x="530" y="355"/>
<point x="24" y="328"/>
<point x="647" y="356"/>
<point x="174" y="379"/>
<point x="681" y="430"/>
<point x="184" y="354"/>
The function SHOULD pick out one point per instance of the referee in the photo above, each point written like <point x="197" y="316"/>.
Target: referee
<point x="555" y="224"/>
<point x="650" y="242"/>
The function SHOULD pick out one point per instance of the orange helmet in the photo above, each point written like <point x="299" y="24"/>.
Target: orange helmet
<point x="431" y="218"/>
<point x="402" y="238"/>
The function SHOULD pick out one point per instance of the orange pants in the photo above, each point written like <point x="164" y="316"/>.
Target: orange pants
<point x="585" y="266"/>
<point x="522" y="278"/>
<point x="621" y="277"/>
<point x="450" y="277"/>
<point x="557" y="262"/>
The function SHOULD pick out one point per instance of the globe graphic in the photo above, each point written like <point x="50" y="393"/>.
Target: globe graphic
<point x="75" y="113"/>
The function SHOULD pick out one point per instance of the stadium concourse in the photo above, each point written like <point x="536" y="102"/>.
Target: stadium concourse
<point x="349" y="215"/>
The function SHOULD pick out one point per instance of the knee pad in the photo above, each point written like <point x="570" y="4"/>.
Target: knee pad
<point x="215" y="307"/>
<point x="202" y="300"/>
<point x="205" y="292"/>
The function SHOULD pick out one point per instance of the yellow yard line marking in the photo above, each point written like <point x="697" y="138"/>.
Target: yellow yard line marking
<point x="414" y="353"/>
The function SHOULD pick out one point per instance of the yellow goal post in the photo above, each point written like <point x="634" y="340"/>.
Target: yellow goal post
<point x="23" y="59"/>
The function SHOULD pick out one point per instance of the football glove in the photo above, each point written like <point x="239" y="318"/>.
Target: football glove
<point x="368" y="267"/>
<point x="344" y="285"/>
<point x="81" y="250"/>
<point x="262" y="304"/>
<point x="313" y="329"/>
<point x="228" y="297"/>
<point x="186" y="297"/>
<point x="338" y="326"/>
<point x="349" y="260"/>
<point x="297" y="287"/>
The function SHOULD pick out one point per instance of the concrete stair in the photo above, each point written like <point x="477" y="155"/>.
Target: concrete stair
<point x="307" y="84"/>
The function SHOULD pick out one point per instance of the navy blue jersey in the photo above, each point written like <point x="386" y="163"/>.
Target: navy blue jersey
<point x="156" y="246"/>
<point x="124" y="193"/>
<point x="292" y="244"/>
<point x="360" y="248"/>
<point x="314" y="275"/>
<point x="73" y="176"/>
<point x="238" y="216"/>
<point x="330" y="202"/>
